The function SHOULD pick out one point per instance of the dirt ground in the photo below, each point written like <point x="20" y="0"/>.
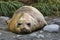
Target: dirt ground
<point x="38" y="35"/>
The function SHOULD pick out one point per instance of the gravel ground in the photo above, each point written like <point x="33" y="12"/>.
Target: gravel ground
<point x="38" y="35"/>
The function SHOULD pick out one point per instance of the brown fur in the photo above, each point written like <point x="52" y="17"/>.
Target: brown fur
<point x="30" y="19"/>
<point x="28" y="1"/>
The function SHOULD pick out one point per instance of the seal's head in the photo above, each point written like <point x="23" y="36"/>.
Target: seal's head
<point x="25" y="24"/>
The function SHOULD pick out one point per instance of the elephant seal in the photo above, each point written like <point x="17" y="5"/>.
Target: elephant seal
<point x="26" y="19"/>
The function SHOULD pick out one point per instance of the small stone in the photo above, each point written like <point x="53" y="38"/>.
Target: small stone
<point x="56" y="21"/>
<point x="41" y="31"/>
<point x="14" y="36"/>
<point x="5" y="18"/>
<point x="47" y="18"/>
<point x="51" y="28"/>
<point x="19" y="35"/>
<point x="33" y="34"/>
<point x="1" y="39"/>
<point x="40" y="36"/>
<point x="0" y="33"/>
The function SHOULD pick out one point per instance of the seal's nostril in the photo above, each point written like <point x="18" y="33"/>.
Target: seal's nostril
<point x="23" y="29"/>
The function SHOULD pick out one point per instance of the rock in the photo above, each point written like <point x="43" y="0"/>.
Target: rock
<point x="41" y="31"/>
<point x="19" y="35"/>
<point x="14" y="36"/>
<point x="47" y="18"/>
<point x="3" y="19"/>
<point x="51" y="28"/>
<point x="40" y="36"/>
<point x="56" y="21"/>
<point x="1" y="39"/>
<point x="0" y="33"/>
<point x="33" y="34"/>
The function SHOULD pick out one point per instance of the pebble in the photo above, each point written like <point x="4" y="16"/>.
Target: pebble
<point x="14" y="36"/>
<point x="33" y="34"/>
<point x="40" y="36"/>
<point x="5" y="18"/>
<point x="41" y="31"/>
<point x="19" y="35"/>
<point x="47" y="18"/>
<point x="51" y="28"/>
<point x="56" y="21"/>
<point x="0" y="33"/>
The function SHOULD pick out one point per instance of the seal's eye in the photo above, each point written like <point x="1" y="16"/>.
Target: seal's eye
<point x="29" y="24"/>
<point x="19" y="24"/>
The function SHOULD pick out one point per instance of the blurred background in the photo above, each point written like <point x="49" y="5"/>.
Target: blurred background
<point x="46" y="7"/>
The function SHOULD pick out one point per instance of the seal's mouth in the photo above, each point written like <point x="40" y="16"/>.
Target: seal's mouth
<point x="24" y="31"/>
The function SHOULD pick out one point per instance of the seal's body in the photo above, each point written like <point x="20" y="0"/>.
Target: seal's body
<point x="26" y="19"/>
